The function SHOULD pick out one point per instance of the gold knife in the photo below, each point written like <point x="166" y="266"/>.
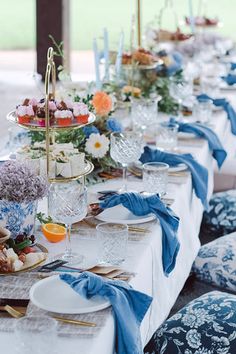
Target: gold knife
<point x="76" y="322"/>
<point x="17" y="314"/>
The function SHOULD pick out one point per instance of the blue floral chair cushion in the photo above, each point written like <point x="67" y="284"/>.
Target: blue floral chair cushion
<point x="221" y="217"/>
<point x="216" y="262"/>
<point x="206" y="325"/>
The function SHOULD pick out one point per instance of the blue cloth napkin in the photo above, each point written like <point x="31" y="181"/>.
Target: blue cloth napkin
<point x="230" y="79"/>
<point x="233" y="66"/>
<point x="175" y="65"/>
<point x="198" y="172"/>
<point x="129" y="306"/>
<point x="222" y="102"/>
<point x="214" y="143"/>
<point x="144" y="205"/>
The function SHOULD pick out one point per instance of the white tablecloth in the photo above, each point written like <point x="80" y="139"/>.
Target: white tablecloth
<point x="144" y="256"/>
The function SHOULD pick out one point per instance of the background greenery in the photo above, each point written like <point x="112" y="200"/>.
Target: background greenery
<point x="88" y="17"/>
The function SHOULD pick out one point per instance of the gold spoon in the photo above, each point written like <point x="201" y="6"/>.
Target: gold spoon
<point x="17" y="314"/>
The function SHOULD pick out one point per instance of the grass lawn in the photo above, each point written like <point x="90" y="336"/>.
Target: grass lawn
<point x="88" y="18"/>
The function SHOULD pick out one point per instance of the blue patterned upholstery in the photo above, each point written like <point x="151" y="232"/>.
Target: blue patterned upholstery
<point x="221" y="217"/>
<point x="206" y="325"/>
<point x="216" y="262"/>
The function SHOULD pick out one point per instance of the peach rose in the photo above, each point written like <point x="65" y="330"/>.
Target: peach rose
<point x="102" y="103"/>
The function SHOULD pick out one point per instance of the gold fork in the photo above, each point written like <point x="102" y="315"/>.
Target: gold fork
<point x="17" y="314"/>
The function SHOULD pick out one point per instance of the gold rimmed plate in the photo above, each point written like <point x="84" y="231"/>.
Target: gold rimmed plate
<point x="87" y="170"/>
<point x="40" y="248"/>
<point x="143" y="67"/>
<point x="11" y="117"/>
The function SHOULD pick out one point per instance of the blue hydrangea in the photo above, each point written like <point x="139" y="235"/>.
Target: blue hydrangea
<point x="113" y="125"/>
<point x="88" y="130"/>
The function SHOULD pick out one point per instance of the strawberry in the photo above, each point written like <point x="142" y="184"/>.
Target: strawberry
<point x="28" y="249"/>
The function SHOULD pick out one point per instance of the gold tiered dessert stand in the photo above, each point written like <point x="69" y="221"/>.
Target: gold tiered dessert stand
<point x="50" y="130"/>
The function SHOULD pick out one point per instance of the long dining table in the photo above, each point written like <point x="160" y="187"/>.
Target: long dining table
<point x="144" y="255"/>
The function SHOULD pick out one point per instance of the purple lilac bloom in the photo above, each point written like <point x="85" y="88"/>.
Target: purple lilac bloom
<point x="19" y="184"/>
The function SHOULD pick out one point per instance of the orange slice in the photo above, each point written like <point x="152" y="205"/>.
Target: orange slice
<point x="54" y="232"/>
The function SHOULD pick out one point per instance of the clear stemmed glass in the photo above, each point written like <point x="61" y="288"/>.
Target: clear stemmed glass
<point x="180" y="90"/>
<point x="126" y="148"/>
<point x="67" y="205"/>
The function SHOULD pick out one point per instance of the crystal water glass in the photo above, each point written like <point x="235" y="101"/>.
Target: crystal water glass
<point x="202" y="111"/>
<point x="210" y="85"/>
<point x="126" y="148"/>
<point x="167" y="136"/>
<point x="112" y="243"/>
<point x="35" y="334"/>
<point x="155" y="177"/>
<point x="180" y="90"/>
<point x="144" y="112"/>
<point x="68" y="205"/>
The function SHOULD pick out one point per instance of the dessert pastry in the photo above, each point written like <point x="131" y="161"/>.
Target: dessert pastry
<point x="81" y="112"/>
<point x="34" y="103"/>
<point x="203" y="21"/>
<point x="140" y="56"/>
<point x="77" y="163"/>
<point x="143" y="57"/>
<point x="67" y="104"/>
<point x="180" y="36"/>
<point x="64" y="117"/>
<point x="65" y="160"/>
<point x="25" y="112"/>
<point x="126" y="59"/>
<point x="60" y="113"/>
<point x="165" y="36"/>
<point x="41" y="115"/>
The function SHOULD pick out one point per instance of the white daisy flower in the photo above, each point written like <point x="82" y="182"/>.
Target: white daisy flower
<point x="97" y="145"/>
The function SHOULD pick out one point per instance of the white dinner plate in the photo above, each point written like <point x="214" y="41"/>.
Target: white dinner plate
<point x="54" y="295"/>
<point x="121" y="215"/>
<point x="217" y="108"/>
<point x="226" y="87"/>
<point x="178" y="168"/>
<point x="186" y="136"/>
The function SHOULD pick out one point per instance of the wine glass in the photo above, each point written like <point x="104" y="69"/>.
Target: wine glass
<point x="67" y="205"/>
<point x="126" y="148"/>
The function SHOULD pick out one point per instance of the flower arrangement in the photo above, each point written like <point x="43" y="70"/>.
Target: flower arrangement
<point x="102" y="103"/>
<point x="97" y="145"/>
<point x="19" y="184"/>
<point x="93" y="140"/>
<point x="97" y="136"/>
